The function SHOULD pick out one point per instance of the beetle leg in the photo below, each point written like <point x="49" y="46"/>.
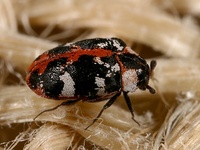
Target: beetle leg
<point x="128" y="102"/>
<point x="108" y="104"/>
<point x="63" y="103"/>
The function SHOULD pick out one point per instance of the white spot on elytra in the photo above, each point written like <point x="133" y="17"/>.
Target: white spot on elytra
<point x="129" y="79"/>
<point x="108" y="74"/>
<point x="117" y="45"/>
<point x="100" y="82"/>
<point x="115" y="68"/>
<point x="41" y="85"/>
<point x="68" y="89"/>
<point x="102" y="45"/>
<point x="98" y="60"/>
<point x="107" y="65"/>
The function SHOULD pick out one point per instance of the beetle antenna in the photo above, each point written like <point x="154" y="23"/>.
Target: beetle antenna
<point x="151" y="90"/>
<point x="153" y="64"/>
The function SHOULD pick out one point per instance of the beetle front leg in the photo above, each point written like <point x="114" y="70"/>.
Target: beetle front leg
<point x="128" y="102"/>
<point x="108" y="104"/>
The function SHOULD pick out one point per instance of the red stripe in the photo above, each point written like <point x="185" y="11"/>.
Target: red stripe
<point x="72" y="56"/>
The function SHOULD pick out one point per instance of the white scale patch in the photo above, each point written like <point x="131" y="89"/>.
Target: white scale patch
<point x="117" y="45"/>
<point x="100" y="82"/>
<point x="139" y="71"/>
<point x="102" y="45"/>
<point x="41" y="84"/>
<point x="114" y="68"/>
<point x="68" y="89"/>
<point x="61" y="68"/>
<point x="129" y="79"/>
<point x="99" y="61"/>
<point x="107" y="65"/>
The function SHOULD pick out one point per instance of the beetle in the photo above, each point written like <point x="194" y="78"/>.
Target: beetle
<point x="90" y="70"/>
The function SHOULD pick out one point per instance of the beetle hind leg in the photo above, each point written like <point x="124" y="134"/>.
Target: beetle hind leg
<point x="54" y="108"/>
<point x="107" y="105"/>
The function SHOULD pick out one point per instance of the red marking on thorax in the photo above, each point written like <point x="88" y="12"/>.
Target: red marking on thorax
<point x="122" y="68"/>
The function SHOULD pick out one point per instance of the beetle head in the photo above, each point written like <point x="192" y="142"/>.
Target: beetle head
<point x="144" y="75"/>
